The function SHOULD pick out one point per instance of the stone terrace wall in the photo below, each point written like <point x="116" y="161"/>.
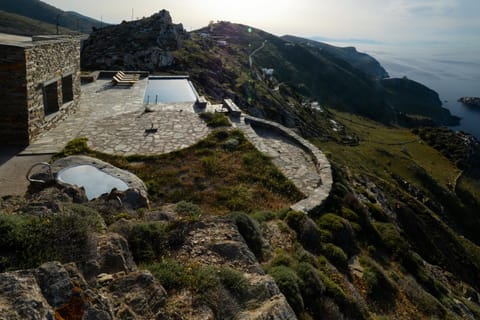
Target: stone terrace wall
<point x="318" y="197"/>
<point x="13" y="93"/>
<point x="48" y="60"/>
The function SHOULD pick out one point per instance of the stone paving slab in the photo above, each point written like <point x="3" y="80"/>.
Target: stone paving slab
<point x="131" y="133"/>
<point x="98" y="101"/>
<point x="114" y="119"/>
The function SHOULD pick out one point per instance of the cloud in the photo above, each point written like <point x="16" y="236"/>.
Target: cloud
<point x="424" y="8"/>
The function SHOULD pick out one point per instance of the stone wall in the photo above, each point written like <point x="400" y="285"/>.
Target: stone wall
<point x="50" y="61"/>
<point x="13" y="93"/>
<point x="315" y="200"/>
<point x="24" y="72"/>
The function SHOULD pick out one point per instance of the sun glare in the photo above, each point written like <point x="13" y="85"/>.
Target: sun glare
<point x="255" y="12"/>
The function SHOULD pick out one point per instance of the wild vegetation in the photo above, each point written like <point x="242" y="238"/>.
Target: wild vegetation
<point x="21" y="25"/>
<point x="397" y="237"/>
<point x="43" y="12"/>
<point x="221" y="173"/>
<point x="300" y="70"/>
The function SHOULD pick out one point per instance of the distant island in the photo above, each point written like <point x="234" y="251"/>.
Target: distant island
<point x="470" y="101"/>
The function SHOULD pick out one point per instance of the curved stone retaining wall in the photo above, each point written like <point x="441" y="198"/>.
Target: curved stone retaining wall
<point x="320" y="194"/>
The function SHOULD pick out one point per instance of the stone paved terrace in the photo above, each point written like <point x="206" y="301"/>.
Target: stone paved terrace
<point x="299" y="160"/>
<point x="114" y="120"/>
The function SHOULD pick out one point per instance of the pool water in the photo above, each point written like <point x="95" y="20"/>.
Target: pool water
<point x="169" y="90"/>
<point x="95" y="181"/>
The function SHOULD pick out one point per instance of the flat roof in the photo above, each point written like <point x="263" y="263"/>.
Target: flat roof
<point x="14" y="40"/>
<point x="27" y="42"/>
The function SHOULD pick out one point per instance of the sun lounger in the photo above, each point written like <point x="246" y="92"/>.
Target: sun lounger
<point x="118" y="81"/>
<point x="123" y="76"/>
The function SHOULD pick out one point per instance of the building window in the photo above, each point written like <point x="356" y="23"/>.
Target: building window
<point x="50" y="98"/>
<point x="67" y="88"/>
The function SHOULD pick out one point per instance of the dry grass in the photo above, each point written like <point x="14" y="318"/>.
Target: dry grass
<point x="221" y="173"/>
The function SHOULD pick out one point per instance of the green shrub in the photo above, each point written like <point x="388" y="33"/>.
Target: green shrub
<point x="210" y="290"/>
<point x="313" y="286"/>
<point x="170" y="273"/>
<point x="379" y="286"/>
<point x="341" y="231"/>
<point x="148" y="241"/>
<point x="205" y="279"/>
<point x="231" y="144"/>
<point x="215" y="119"/>
<point x="348" y="214"/>
<point x="289" y="284"/>
<point x="28" y="241"/>
<point x="335" y="255"/>
<point x="262" y="216"/>
<point x="250" y="231"/>
<point x="234" y="281"/>
<point x="282" y="258"/>
<point x="295" y="219"/>
<point x="74" y="147"/>
<point x="191" y="210"/>
<point x="391" y="238"/>
<point x="377" y="212"/>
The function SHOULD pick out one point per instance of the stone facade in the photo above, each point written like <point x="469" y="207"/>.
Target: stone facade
<point x="40" y="86"/>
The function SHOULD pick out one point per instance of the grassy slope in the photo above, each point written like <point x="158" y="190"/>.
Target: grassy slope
<point x="221" y="173"/>
<point x="38" y="10"/>
<point x="17" y="24"/>
<point x="385" y="150"/>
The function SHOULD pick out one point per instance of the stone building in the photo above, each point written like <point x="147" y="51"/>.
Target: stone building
<point x="39" y="84"/>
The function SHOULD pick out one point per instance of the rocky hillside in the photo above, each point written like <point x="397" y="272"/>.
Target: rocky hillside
<point x="43" y="12"/>
<point x="21" y="25"/>
<point x="334" y="77"/>
<point x="397" y="237"/>
<point x="358" y="60"/>
<point x="139" y="45"/>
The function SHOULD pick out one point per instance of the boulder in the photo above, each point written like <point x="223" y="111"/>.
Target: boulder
<point x="21" y="297"/>
<point x="140" y="293"/>
<point x="111" y="256"/>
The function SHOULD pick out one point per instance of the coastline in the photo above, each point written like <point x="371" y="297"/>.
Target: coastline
<point x="452" y="72"/>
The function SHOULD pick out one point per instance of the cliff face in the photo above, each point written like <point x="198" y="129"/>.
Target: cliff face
<point x="364" y="62"/>
<point x="413" y="98"/>
<point x="144" y="44"/>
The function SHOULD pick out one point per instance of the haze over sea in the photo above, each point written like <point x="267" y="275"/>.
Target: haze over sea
<point x="452" y="71"/>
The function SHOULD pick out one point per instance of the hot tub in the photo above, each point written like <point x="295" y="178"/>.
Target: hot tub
<point x="95" y="181"/>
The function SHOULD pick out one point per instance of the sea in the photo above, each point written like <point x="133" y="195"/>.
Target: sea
<point x="452" y="70"/>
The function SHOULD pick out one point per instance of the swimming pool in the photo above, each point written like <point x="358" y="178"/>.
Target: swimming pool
<point x="169" y="90"/>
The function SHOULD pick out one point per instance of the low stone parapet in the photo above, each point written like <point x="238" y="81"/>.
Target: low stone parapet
<point x="316" y="199"/>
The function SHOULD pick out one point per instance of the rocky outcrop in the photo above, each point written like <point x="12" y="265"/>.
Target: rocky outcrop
<point x="218" y="242"/>
<point x="138" y="45"/>
<point x="470" y="101"/>
<point x="56" y="291"/>
<point x="110" y="256"/>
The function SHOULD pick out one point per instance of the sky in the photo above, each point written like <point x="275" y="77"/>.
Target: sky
<point x="387" y="21"/>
